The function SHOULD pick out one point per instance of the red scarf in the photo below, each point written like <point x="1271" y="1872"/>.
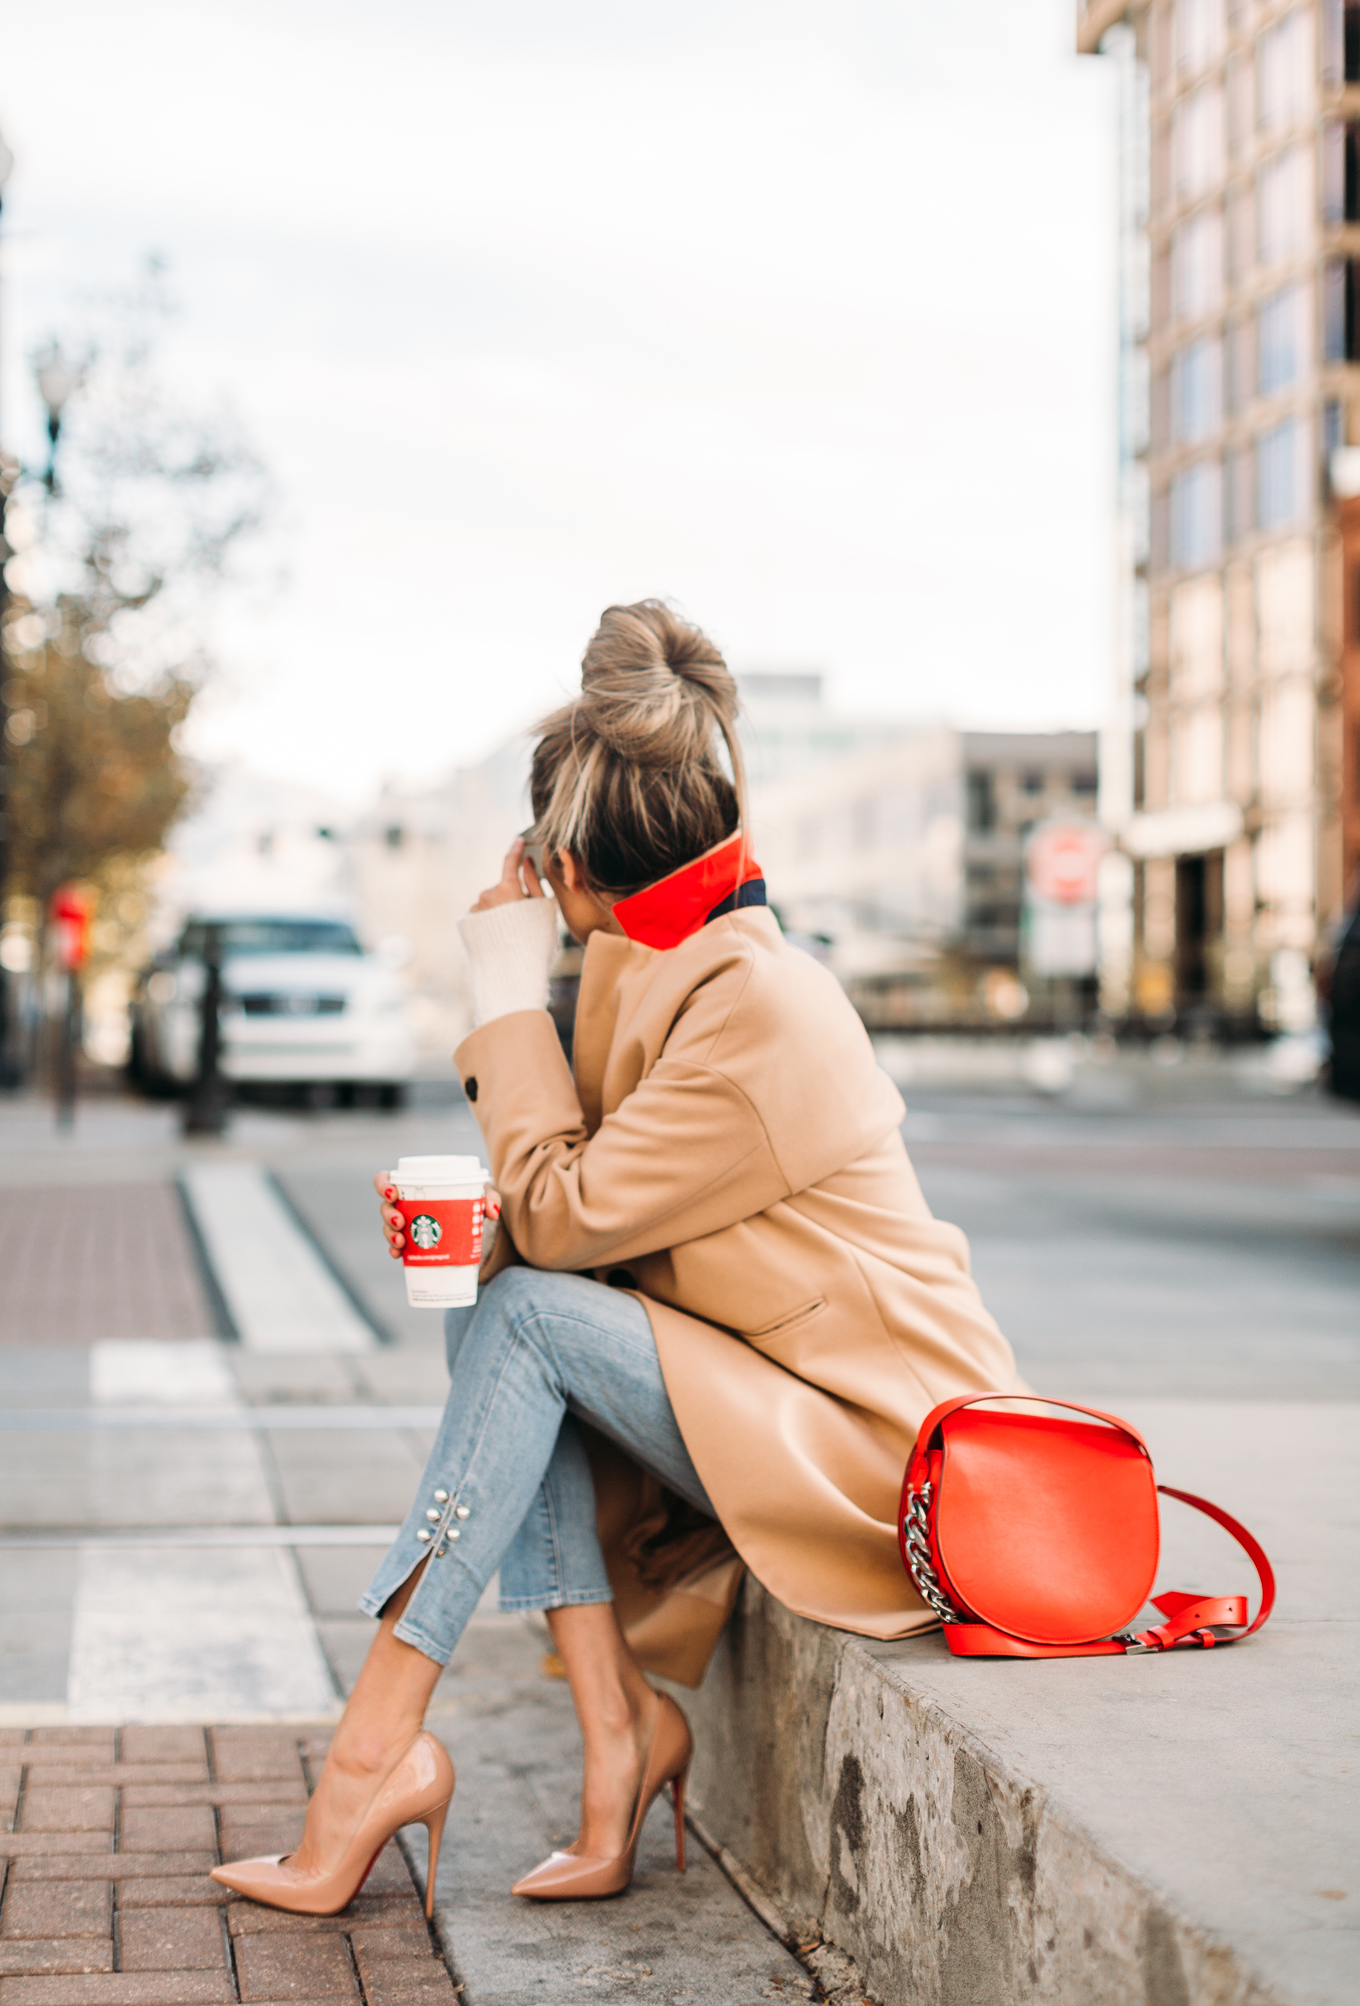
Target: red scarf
<point x="675" y="907"/>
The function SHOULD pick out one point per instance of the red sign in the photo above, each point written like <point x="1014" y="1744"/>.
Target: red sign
<point x="71" y="912"/>
<point x="1062" y="860"/>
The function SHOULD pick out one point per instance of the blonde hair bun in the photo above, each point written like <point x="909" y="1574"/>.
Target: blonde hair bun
<point x="628" y="778"/>
<point x="653" y="687"/>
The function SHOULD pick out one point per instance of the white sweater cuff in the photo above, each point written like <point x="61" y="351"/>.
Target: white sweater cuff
<point x="510" y="949"/>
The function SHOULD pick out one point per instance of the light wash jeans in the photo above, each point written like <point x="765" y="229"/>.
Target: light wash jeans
<point x="508" y="1484"/>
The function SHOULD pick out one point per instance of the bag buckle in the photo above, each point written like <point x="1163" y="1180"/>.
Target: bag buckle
<point x="1132" y="1647"/>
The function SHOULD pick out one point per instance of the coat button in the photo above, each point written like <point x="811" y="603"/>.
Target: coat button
<point x="434" y="1516"/>
<point x="441" y="1497"/>
<point x="461" y="1511"/>
<point x="470" y="1089"/>
<point x="454" y="1532"/>
<point x="423" y="1534"/>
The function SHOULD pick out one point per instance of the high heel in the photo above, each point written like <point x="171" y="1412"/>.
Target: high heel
<point x="568" y="1877"/>
<point x="416" y="1792"/>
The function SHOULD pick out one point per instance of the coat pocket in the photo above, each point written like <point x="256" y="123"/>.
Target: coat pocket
<point x="784" y="1326"/>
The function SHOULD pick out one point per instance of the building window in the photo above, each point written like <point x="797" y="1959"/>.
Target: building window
<point x="1341" y="171"/>
<point x="1339" y="332"/>
<point x="1281" y="476"/>
<point x="1341" y="41"/>
<point x="1241" y="364"/>
<point x="1199" y="35"/>
<point x="1197" y="515"/>
<point x="1031" y="782"/>
<point x="1283" y="71"/>
<point x="1084" y="782"/>
<point x="1284" y="200"/>
<point x="1197" y="266"/>
<point x="981" y="802"/>
<point x="1197" y="390"/>
<point x="1282" y="341"/>
<point x="1197" y="141"/>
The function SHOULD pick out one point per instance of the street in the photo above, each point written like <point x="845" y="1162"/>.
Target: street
<point x="191" y="1501"/>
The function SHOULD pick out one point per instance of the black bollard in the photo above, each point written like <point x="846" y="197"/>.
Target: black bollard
<point x="68" y="1046"/>
<point x="206" y="1110"/>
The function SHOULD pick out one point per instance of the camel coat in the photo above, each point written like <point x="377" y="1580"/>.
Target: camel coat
<point x="730" y="1150"/>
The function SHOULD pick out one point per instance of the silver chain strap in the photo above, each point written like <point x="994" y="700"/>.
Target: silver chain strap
<point x="916" y="1533"/>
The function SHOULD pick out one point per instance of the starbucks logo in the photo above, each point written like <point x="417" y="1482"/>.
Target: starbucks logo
<point x="426" y="1231"/>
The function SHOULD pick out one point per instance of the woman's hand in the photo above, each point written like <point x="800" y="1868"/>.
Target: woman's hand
<point x="519" y="880"/>
<point x="394" y="1223"/>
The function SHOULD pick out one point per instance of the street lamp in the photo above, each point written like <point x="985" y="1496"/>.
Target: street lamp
<point x="57" y="379"/>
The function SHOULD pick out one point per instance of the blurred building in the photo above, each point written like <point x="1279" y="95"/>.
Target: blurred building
<point x="906" y="859"/>
<point x="1233" y="768"/>
<point x="788" y="727"/>
<point x="420" y="856"/>
<point x="255" y="844"/>
<point x="418" y="859"/>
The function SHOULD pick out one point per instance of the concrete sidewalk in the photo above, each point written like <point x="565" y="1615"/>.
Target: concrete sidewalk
<point x="128" y="1440"/>
<point x="1171" y="1832"/>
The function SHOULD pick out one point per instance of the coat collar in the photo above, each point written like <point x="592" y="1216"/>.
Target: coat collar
<point x="679" y="905"/>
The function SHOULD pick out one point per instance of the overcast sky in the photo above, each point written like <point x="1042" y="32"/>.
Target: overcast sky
<point x="799" y="314"/>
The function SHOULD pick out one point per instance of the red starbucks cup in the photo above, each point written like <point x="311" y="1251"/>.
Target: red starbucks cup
<point x="442" y="1201"/>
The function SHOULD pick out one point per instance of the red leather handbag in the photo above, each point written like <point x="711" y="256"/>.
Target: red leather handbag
<point x="1033" y="1536"/>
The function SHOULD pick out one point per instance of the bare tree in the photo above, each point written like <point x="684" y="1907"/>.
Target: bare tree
<point x="105" y="641"/>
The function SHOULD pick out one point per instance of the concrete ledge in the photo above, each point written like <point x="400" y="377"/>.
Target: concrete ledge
<point x="871" y="1818"/>
<point x="1171" y="1831"/>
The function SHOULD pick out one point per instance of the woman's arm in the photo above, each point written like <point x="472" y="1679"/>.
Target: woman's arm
<point x="685" y="1154"/>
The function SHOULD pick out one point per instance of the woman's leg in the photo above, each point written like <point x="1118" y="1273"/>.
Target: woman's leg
<point x="616" y="1710"/>
<point x="383" y="1715"/>
<point x="508" y="1484"/>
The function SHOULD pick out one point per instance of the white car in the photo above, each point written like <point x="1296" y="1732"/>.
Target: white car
<point x="302" y="1005"/>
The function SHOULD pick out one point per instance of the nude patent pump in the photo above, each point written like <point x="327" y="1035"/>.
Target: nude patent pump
<point x="416" y="1792"/>
<point x="572" y="1877"/>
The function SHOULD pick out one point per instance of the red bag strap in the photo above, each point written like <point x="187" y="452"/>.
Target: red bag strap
<point x="940" y="1414"/>
<point x="1193" y="1616"/>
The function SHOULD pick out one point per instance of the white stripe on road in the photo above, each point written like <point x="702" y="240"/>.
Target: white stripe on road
<point x="159" y="1633"/>
<point x="145" y="1371"/>
<point x="54" y="1537"/>
<point x="281" y="1295"/>
<point x="160" y="1636"/>
<point x="84" y="1420"/>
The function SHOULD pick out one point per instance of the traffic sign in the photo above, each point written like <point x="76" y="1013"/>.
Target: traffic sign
<point x="1062" y="860"/>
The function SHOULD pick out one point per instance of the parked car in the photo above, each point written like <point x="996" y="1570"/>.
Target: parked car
<point x="303" y="1006"/>
<point x="1340" y="990"/>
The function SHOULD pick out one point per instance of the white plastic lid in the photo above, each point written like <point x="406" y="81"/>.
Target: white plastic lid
<point x="440" y="1169"/>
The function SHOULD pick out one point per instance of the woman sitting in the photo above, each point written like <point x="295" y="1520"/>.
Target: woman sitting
<point x="717" y="1309"/>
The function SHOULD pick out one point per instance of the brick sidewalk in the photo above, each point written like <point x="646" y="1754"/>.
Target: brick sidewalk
<point x="89" y="1261"/>
<point x="107" y="1841"/>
